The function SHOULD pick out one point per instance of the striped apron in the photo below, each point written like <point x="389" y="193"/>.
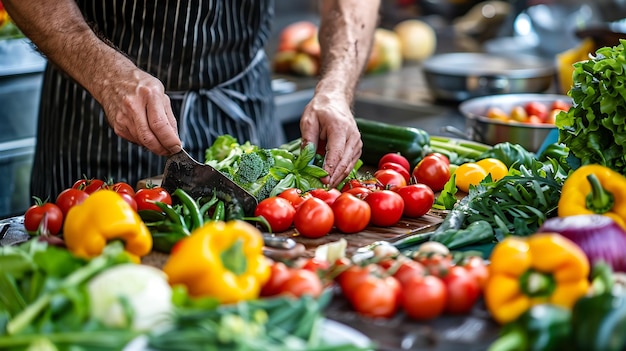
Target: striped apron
<point x="209" y="56"/>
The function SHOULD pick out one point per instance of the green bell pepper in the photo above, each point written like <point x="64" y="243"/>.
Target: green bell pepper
<point x="599" y="322"/>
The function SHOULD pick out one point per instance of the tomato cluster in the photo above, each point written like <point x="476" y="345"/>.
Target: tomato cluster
<point x="532" y="112"/>
<point x="297" y="280"/>
<point x="49" y="216"/>
<point x="423" y="286"/>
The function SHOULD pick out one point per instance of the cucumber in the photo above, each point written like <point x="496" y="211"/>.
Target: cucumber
<point x="380" y="138"/>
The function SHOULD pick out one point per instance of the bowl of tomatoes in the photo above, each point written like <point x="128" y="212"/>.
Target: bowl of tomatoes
<point x="524" y="119"/>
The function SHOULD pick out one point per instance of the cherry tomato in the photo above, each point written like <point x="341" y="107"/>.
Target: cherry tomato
<point x="129" y="200"/>
<point x="329" y="196"/>
<point x="351" y="213"/>
<point x="314" y="218"/>
<point x="441" y="156"/>
<point x="390" y="179"/>
<point x="69" y="198"/>
<point x="387" y="207"/>
<point x="279" y="273"/>
<point x="477" y="267"/>
<point x="360" y="192"/>
<point x="398" y="168"/>
<point x="395" y="157"/>
<point x="35" y="214"/>
<point x="295" y="196"/>
<point x="463" y="290"/>
<point x="88" y="185"/>
<point x="494" y="166"/>
<point x="560" y="105"/>
<point x="469" y="174"/>
<point x="535" y="108"/>
<point x="315" y="264"/>
<point x="418" y="199"/>
<point x="432" y="171"/>
<point x="404" y="270"/>
<point x="122" y="187"/>
<point x="371" y="183"/>
<point x="146" y="197"/>
<point x="302" y="282"/>
<point x="278" y="212"/>
<point x="376" y="296"/>
<point x="436" y="264"/>
<point x="423" y="297"/>
<point x="518" y="114"/>
<point x="352" y="276"/>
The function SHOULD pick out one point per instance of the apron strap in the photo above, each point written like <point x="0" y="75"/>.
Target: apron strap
<point x="222" y="97"/>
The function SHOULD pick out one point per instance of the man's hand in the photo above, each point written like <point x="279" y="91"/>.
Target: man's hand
<point x="328" y="119"/>
<point x="138" y="110"/>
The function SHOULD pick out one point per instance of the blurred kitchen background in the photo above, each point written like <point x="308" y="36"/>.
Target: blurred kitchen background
<point x="397" y="95"/>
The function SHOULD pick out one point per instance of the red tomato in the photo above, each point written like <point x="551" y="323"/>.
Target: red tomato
<point x="352" y="276"/>
<point x="534" y="108"/>
<point x="351" y="213"/>
<point x="315" y="264"/>
<point x="278" y="212"/>
<point x="387" y="207"/>
<point x="360" y="192"/>
<point x="314" y="218"/>
<point x="146" y="197"/>
<point x="376" y="296"/>
<point x="302" y="282"/>
<point x="441" y="156"/>
<point x="432" y="171"/>
<point x="69" y="198"/>
<point x="418" y="199"/>
<point x="423" y="298"/>
<point x="477" y="267"/>
<point x="390" y="179"/>
<point x="329" y="196"/>
<point x="279" y="273"/>
<point x="463" y="290"/>
<point x="129" y="200"/>
<point x="436" y="264"/>
<point x="121" y="187"/>
<point x="48" y="212"/>
<point x="560" y="105"/>
<point x="88" y="185"/>
<point x="398" y="168"/>
<point x="371" y="184"/>
<point x="295" y="196"/>
<point x="405" y="270"/>
<point x="395" y="157"/>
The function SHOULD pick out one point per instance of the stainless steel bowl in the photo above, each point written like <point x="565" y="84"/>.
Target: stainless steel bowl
<point x="486" y="130"/>
<point x="461" y="76"/>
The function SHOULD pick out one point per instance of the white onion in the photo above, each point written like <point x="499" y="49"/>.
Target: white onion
<point x="600" y="237"/>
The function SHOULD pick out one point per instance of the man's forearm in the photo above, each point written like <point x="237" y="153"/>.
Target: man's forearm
<point x="346" y="34"/>
<point x="60" y="32"/>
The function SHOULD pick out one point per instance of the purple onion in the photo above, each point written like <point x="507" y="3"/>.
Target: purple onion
<point x="600" y="237"/>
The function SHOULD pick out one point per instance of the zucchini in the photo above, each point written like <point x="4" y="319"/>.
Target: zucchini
<point x="380" y="138"/>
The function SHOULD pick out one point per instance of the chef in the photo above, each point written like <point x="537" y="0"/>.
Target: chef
<point x="132" y="81"/>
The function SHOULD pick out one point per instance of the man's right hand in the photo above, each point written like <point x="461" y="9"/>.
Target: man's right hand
<point x="138" y="110"/>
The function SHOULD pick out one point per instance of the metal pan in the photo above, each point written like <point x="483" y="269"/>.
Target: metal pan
<point x="485" y="130"/>
<point x="461" y="76"/>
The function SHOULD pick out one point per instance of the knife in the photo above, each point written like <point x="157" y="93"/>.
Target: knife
<point x="202" y="180"/>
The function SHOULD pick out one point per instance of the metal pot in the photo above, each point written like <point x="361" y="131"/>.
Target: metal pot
<point x="461" y="76"/>
<point x="486" y="130"/>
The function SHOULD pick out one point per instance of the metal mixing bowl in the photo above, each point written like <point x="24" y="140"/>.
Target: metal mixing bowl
<point x="486" y="130"/>
<point x="461" y="76"/>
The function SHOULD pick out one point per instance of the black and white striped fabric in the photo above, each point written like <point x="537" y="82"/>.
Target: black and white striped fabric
<point x="208" y="54"/>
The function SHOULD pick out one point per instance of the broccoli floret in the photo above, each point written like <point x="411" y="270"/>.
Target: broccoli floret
<point x="250" y="167"/>
<point x="262" y="188"/>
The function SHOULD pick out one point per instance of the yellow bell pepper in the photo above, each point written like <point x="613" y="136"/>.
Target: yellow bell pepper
<point x="104" y="216"/>
<point x="594" y="189"/>
<point x="223" y="260"/>
<point x="540" y="268"/>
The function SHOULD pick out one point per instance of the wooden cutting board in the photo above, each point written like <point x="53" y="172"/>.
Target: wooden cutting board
<point x="405" y="227"/>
